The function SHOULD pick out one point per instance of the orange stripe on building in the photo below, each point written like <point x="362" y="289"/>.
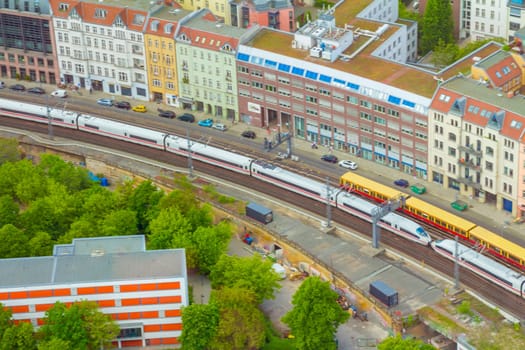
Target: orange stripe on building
<point x="169" y="341"/>
<point x="170" y="300"/>
<point x="104" y="289"/>
<point x="86" y="290"/>
<point x="19" y="309"/>
<point x="40" y="321"/>
<point x="134" y="315"/>
<point x="128" y="302"/>
<point x="172" y="327"/>
<point x="148" y="286"/>
<point x="152" y="328"/>
<point x="126" y="343"/>
<point x="43" y="307"/>
<point x="123" y="316"/>
<point x="41" y="293"/>
<point x="18" y="295"/>
<point x="106" y="303"/>
<point x="4" y="296"/>
<point x="129" y="288"/>
<point x="155" y="341"/>
<point x="149" y="301"/>
<point x="169" y="285"/>
<point x="172" y="313"/>
<point x="150" y="314"/>
<point x="62" y="292"/>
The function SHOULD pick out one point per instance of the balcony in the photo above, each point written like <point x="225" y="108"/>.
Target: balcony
<point x="469" y="164"/>
<point x="469" y="182"/>
<point x="471" y="150"/>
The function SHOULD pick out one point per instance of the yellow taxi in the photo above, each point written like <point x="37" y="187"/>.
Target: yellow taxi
<point x="139" y="108"/>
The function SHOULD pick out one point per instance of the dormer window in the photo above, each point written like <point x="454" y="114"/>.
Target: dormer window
<point x="154" y="25"/>
<point x="168" y="27"/>
<point x="101" y="13"/>
<point x="227" y="47"/>
<point x="63" y="7"/>
<point x="119" y="22"/>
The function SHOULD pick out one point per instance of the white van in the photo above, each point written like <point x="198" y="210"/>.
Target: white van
<point x="59" y="93"/>
<point x="280" y="270"/>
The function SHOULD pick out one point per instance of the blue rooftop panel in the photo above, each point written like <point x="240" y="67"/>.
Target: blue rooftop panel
<point x="270" y="64"/>
<point x="298" y="71"/>
<point x="325" y="78"/>
<point x="394" y="100"/>
<point x="352" y="86"/>
<point x="243" y="57"/>
<point x="339" y="81"/>
<point x="284" y="67"/>
<point x="256" y="60"/>
<point x="408" y="104"/>
<point x="312" y="75"/>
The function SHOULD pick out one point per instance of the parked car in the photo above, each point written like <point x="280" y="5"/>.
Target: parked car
<point x="329" y="158"/>
<point x="220" y="126"/>
<point x="2" y="85"/>
<point x="105" y="102"/>
<point x="166" y="114"/>
<point x="348" y="164"/>
<point x="401" y="183"/>
<point x="139" y="108"/>
<point x="17" y="87"/>
<point x="123" y="105"/>
<point x="36" y="90"/>
<point x="206" y="123"/>
<point x="59" y="93"/>
<point x="187" y="117"/>
<point x="418" y="188"/>
<point x="248" y="134"/>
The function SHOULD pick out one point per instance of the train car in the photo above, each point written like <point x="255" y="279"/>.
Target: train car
<point x="216" y="156"/>
<point x="497" y="245"/>
<point x="292" y="181"/>
<point x="121" y="131"/>
<point x="482" y="265"/>
<point x="392" y="222"/>
<point x="438" y="217"/>
<point x="350" y="181"/>
<point x="37" y="113"/>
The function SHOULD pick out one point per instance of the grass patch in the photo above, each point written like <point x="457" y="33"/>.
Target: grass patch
<point x="277" y="343"/>
<point x="441" y="322"/>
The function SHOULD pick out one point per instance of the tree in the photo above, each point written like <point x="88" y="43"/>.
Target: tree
<point x="252" y="273"/>
<point x="14" y="242"/>
<point x="5" y="319"/>
<point x="241" y="323"/>
<point x="444" y="54"/>
<point x="55" y="344"/>
<point x="41" y="244"/>
<point x="315" y="315"/>
<point x="397" y="343"/>
<point x="200" y="325"/>
<point x="9" y="151"/>
<point x="73" y="177"/>
<point x="143" y="200"/>
<point x="119" y="223"/>
<point x="210" y="244"/>
<point x="170" y="229"/>
<point x="82" y="325"/>
<point x="8" y="210"/>
<point x="437" y="25"/>
<point x="18" y="337"/>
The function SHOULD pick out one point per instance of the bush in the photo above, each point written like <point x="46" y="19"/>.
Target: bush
<point x="464" y="308"/>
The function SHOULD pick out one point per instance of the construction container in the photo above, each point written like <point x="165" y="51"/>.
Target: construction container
<point x="384" y="293"/>
<point x="259" y="213"/>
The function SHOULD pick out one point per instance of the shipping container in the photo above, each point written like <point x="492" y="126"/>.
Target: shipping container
<point x="259" y="213"/>
<point x="384" y="293"/>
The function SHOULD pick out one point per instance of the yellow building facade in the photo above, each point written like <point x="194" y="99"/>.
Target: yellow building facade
<point x="159" y="44"/>
<point x="219" y="8"/>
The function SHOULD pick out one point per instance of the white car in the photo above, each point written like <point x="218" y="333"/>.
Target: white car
<point x="220" y="127"/>
<point x="59" y="93"/>
<point x="348" y="164"/>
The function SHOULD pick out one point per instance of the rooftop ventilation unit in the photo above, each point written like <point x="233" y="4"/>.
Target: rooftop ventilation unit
<point x="316" y="51"/>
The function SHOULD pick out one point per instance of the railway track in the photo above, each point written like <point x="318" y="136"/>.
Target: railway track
<point x="499" y="296"/>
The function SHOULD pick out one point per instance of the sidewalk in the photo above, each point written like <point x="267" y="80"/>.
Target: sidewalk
<point x="486" y="215"/>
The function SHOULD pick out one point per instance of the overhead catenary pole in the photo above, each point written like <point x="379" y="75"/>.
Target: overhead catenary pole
<point x="456" y="264"/>
<point x="49" y="119"/>
<point x="190" y="162"/>
<point x="328" y="206"/>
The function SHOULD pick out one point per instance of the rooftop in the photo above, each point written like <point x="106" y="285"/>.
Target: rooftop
<point x="95" y="260"/>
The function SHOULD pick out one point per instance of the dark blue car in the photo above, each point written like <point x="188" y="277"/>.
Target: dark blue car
<point x="401" y="183"/>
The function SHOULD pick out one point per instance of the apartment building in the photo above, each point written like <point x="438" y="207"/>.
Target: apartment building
<point x="160" y="55"/>
<point x="318" y="84"/>
<point x="477" y="137"/>
<point x="100" y="46"/>
<point x="206" y="65"/>
<point x="27" y="47"/>
<point x="144" y="291"/>
<point x="277" y="14"/>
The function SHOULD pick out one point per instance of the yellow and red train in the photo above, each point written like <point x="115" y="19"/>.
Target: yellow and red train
<point x="437" y="217"/>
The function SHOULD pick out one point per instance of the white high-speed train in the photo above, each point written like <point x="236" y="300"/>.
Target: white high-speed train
<point x="482" y="265"/>
<point x="261" y="170"/>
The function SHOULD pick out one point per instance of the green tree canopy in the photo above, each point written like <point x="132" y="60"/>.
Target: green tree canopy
<point x="8" y="210"/>
<point x="73" y="177"/>
<point x="143" y="200"/>
<point x="18" y="337"/>
<point x="397" y="343"/>
<point x="315" y="315"/>
<point x="437" y="25"/>
<point x="14" y="242"/>
<point x="9" y="151"/>
<point x="252" y="273"/>
<point x="241" y="323"/>
<point x="200" y="325"/>
<point x="82" y="325"/>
